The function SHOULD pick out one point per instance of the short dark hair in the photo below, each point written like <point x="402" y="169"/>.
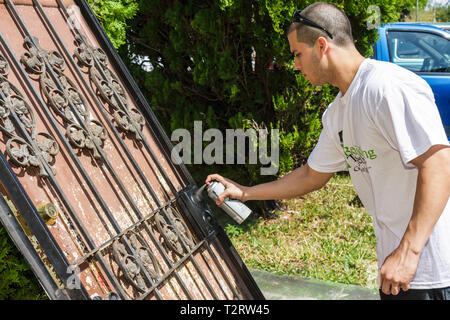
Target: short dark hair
<point x="328" y="16"/>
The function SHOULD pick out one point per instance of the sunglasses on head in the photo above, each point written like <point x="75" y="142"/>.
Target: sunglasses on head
<point x="297" y="17"/>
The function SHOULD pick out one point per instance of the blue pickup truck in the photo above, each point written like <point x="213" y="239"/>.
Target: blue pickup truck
<point x="423" y="49"/>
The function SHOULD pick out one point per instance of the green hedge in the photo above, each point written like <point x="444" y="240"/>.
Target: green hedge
<point x="17" y="281"/>
<point x="201" y="55"/>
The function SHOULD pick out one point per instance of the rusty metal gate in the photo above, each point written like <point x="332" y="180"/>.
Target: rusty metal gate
<point x="90" y="195"/>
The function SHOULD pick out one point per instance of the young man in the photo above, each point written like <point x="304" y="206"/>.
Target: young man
<point x="385" y="129"/>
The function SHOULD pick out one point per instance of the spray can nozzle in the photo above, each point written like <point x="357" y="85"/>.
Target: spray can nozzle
<point x="198" y="194"/>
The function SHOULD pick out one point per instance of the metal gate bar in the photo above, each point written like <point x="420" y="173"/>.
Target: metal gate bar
<point x="122" y="233"/>
<point x="85" y="175"/>
<point x="109" y="214"/>
<point x="147" y="184"/>
<point x="174" y="267"/>
<point x="15" y="231"/>
<point x="209" y="227"/>
<point x="124" y="109"/>
<point x="51" y="177"/>
<point x="132" y="227"/>
<point x="112" y="127"/>
<point x="156" y="128"/>
<point x="76" y="67"/>
<point x="187" y="254"/>
<point x="222" y="271"/>
<point x="37" y="226"/>
<point x="49" y="171"/>
<point x="196" y="218"/>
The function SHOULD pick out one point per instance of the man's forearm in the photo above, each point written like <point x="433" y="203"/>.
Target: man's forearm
<point x="432" y="194"/>
<point x="296" y="183"/>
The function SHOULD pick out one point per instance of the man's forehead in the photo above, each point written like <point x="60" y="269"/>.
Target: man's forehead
<point x="294" y="44"/>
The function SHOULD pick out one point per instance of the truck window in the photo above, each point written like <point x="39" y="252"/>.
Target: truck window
<point x="419" y="51"/>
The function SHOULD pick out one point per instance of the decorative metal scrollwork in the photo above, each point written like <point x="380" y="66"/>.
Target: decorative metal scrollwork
<point x="16" y="113"/>
<point x="130" y="264"/>
<point x="169" y="232"/>
<point x="111" y="91"/>
<point x="63" y="96"/>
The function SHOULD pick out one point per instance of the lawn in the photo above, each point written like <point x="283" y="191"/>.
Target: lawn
<point x="326" y="235"/>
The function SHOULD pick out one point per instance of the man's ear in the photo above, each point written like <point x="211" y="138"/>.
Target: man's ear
<point x="322" y="45"/>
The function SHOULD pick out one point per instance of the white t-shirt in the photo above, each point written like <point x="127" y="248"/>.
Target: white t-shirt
<point x="387" y="118"/>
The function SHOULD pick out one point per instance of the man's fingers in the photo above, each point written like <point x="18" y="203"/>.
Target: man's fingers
<point x="216" y="177"/>
<point x="391" y="287"/>
<point x="212" y="177"/>
<point x="386" y="286"/>
<point x="226" y="193"/>
<point x="405" y="286"/>
<point x="395" y="289"/>
<point x="221" y="198"/>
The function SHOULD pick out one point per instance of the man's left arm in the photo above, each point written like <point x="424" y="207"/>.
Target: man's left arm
<point x="432" y="194"/>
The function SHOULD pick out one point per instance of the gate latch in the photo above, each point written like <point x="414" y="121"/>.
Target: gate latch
<point x="48" y="213"/>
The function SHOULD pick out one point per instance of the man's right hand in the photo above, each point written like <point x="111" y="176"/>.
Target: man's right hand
<point x="232" y="190"/>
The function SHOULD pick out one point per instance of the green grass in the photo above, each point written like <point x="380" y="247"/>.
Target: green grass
<point x="328" y="235"/>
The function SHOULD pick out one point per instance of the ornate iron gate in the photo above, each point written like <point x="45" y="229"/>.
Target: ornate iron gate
<point x="91" y="197"/>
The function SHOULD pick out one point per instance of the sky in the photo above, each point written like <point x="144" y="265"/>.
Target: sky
<point x="438" y="2"/>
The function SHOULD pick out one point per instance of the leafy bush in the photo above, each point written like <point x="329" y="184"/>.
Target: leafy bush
<point x="17" y="281"/>
<point x="113" y="15"/>
<point x="228" y="64"/>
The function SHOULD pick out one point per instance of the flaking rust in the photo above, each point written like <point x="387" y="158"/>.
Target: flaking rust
<point x="81" y="246"/>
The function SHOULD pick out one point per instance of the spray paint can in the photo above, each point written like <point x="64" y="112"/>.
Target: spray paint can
<point x="234" y="208"/>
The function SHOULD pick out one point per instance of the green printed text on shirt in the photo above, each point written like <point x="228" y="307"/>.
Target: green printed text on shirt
<point x="357" y="151"/>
